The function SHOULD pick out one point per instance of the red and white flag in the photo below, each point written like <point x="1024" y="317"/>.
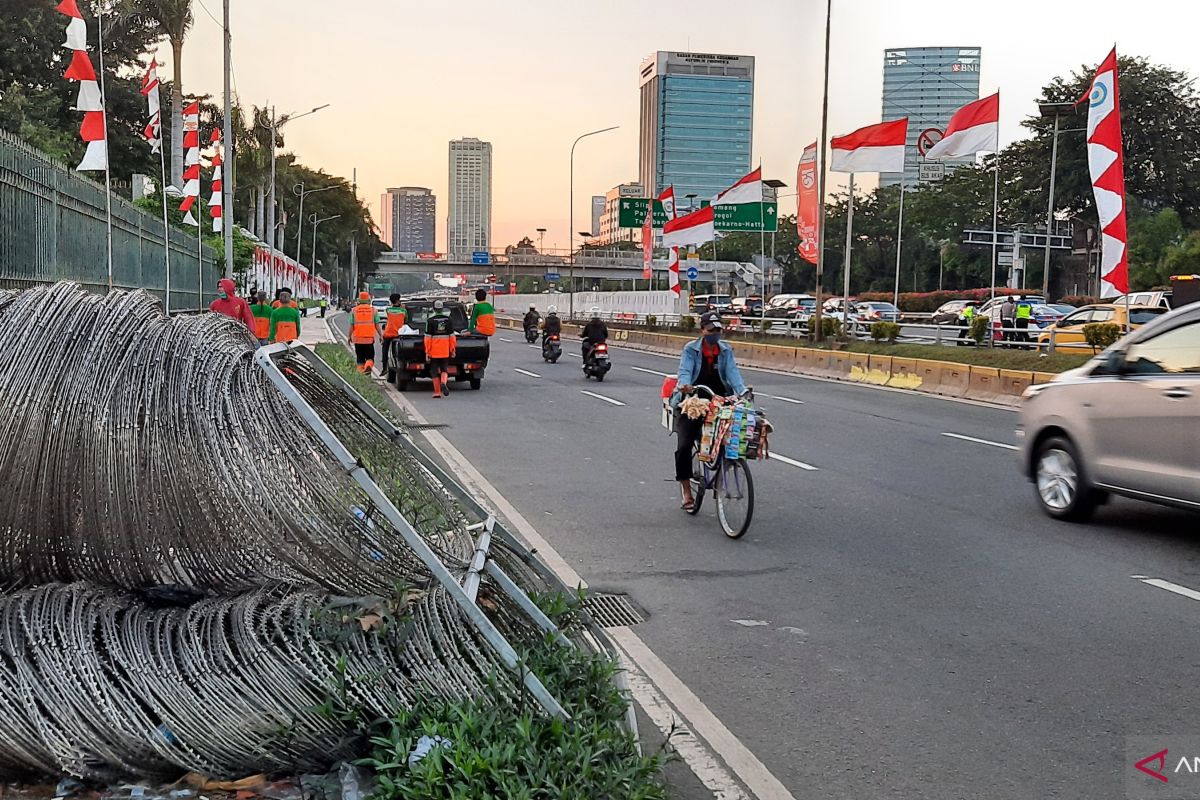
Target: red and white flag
<point x="93" y="130"/>
<point x="694" y="228"/>
<point x="747" y="190"/>
<point x="875" y="148"/>
<point x="806" y="205"/>
<point x="191" y="171"/>
<point x="972" y="129"/>
<point x="217" y="200"/>
<point x="153" y="130"/>
<point x="667" y="199"/>
<point x="1106" y="163"/>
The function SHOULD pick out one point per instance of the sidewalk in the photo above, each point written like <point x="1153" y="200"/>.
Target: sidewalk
<point x="314" y="330"/>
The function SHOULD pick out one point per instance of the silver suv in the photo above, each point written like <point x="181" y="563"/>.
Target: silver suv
<point x="1127" y="423"/>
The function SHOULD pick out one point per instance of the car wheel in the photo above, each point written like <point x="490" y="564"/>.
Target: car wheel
<point x="401" y="384"/>
<point x="1061" y="486"/>
<point x="476" y="383"/>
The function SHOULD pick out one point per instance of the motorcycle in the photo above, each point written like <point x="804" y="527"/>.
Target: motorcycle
<point x="597" y="363"/>
<point x="531" y="334"/>
<point x="551" y="347"/>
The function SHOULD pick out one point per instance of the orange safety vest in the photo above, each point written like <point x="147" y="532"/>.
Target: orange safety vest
<point x="395" y="321"/>
<point x="486" y="324"/>
<point x="262" y="327"/>
<point x="363" y="329"/>
<point x="284" y="331"/>
<point x="440" y="346"/>
<point x="291" y="304"/>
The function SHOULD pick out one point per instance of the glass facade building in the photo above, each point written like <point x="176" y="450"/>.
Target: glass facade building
<point x="697" y="122"/>
<point x="469" y="218"/>
<point x="407" y="222"/>
<point x="927" y="85"/>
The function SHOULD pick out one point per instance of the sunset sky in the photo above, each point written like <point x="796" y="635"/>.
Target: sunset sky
<point x="529" y="76"/>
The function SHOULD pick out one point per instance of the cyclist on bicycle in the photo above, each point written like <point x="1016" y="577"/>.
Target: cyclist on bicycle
<point x="707" y="362"/>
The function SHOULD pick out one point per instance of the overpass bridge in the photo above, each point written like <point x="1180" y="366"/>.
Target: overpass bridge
<point x="602" y="264"/>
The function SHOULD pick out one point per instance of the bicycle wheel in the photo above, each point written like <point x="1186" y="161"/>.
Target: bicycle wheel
<point x="698" y="487"/>
<point x="735" y="498"/>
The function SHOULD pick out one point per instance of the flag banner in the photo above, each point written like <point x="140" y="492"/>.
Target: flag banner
<point x="95" y="158"/>
<point x="875" y="148"/>
<point x="747" y="190"/>
<point x="807" y="204"/>
<point x="1106" y="165"/>
<point x="694" y="228"/>
<point x="89" y="97"/>
<point x="76" y="34"/>
<point x="666" y="200"/>
<point x="92" y="127"/>
<point x="673" y="270"/>
<point x="80" y="68"/>
<point x="972" y="129"/>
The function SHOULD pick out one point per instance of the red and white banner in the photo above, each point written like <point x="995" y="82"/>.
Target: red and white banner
<point x="972" y="129"/>
<point x="216" y="201"/>
<point x="1106" y="163"/>
<point x="153" y="130"/>
<point x="807" y="205"/>
<point x="747" y="190"/>
<point x="271" y="270"/>
<point x="694" y="228"/>
<point x="93" y="130"/>
<point x="191" y="161"/>
<point x="875" y="148"/>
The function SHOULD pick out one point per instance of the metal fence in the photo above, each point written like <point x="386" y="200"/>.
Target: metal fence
<point x="52" y="228"/>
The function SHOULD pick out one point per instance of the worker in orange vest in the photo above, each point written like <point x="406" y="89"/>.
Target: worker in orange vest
<point x="394" y="319"/>
<point x="363" y="332"/>
<point x="440" y="347"/>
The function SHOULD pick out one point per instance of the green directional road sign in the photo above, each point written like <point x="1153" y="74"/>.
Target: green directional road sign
<point x="726" y="219"/>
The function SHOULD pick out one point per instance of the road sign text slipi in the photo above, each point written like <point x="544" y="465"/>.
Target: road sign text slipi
<point x="742" y="217"/>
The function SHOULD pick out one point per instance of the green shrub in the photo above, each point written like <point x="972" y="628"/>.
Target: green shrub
<point x="687" y="323"/>
<point x="885" y="330"/>
<point x="980" y="325"/>
<point x="830" y="328"/>
<point x="766" y="324"/>
<point x="1101" y="335"/>
<point x="651" y="321"/>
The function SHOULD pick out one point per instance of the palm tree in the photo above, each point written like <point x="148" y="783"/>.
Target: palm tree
<point x="173" y="19"/>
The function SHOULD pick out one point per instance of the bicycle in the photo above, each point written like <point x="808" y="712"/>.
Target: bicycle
<point x="730" y="482"/>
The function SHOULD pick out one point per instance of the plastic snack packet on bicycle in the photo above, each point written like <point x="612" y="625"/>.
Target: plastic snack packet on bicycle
<point x="736" y="427"/>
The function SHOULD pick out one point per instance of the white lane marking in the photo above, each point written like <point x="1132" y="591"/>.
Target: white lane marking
<point x="793" y="462"/>
<point x="750" y="623"/>
<point x="601" y="397"/>
<point x="501" y="338"/>
<point x="980" y="441"/>
<point x="526" y="372"/>
<point x="652" y="372"/>
<point x="785" y="399"/>
<point x="744" y="764"/>
<point x="574" y="355"/>
<point x="683" y="740"/>
<point x="1171" y="587"/>
<point x="752" y="772"/>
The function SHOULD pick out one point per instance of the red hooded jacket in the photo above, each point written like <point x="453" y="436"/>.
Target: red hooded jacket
<point x="232" y="305"/>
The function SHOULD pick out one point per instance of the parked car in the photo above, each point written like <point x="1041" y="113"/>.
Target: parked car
<point x="1156" y="299"/>
<point x="714" y="302"/>
<point x="948" y="313"/>
<point x="746" y="306"/>
<point x="874" y="311"/>
<point x="794" y="307"/>
<point x="380" y="304"/>
<point x="1042" y="315"/>
<point x="787" y="301"/>
<point x="1069" y="329"/>
<point x="1126" y="423"/>
<point x="834" y="304"/>
<point x="998" y="301"/>
<point x="1063" y="308"/>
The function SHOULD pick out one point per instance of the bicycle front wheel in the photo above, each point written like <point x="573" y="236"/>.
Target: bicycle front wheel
<point x="699" y="474"/>
<point x="735" y="498"/>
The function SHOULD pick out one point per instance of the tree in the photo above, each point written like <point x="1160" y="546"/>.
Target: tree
<point x="1152" y="238"/>
<point x="1184" y="258"/>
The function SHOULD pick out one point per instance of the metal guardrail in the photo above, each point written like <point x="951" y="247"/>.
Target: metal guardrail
<point x="52" y="228"/>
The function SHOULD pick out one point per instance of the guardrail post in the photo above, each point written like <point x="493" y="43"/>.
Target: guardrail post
<point x="1050" y="347"/>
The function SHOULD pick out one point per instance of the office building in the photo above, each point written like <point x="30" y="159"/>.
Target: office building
<point x="469" y="212"/>
<point x="927" y="85"/>
<point x="697" y="122"/>
<point x="408" y="220"/>
<point x="610" y="231"/>
<point x="598" y="201"/>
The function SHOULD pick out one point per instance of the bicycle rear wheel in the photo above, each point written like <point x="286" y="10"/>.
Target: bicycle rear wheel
<point x="735" y="498"/>
<point x="698" y="486"/>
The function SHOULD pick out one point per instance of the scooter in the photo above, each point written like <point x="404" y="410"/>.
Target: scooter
<point x="551" y="347"/>
<point x="597" y="364"/>
<point x="531" y="334"/>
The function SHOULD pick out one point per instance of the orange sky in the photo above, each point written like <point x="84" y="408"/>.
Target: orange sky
<point x="529" y="76"/>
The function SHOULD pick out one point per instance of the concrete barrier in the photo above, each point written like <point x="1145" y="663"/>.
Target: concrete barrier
<point x="838" y="365"/>
<point x="808" y="360"/>
<point x="859" y="362"/>
<point x="879" y="370"/>
<point x="1014" y="382"/>
<point x="904" y="374"/>
<point x="983" y="383"/>
<point x="953" y="379"/>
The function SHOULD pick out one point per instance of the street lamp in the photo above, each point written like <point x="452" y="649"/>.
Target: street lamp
<point x="300" y="192"/>
<point x="1054" y="110"/>
<point x="315" y="222"/>
<point x="274" y="128"/>
<point x="571" y="227"/>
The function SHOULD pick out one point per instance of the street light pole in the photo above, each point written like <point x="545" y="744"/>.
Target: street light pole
<point x="274" y="128"/>
<point x="229" y="157"/>
<point x="1055" y="110"/>
<point x="821" y="176"/>
<point x="300" y="192"/>
<point x="571" y="213"/>
<point x="315" y="222"/>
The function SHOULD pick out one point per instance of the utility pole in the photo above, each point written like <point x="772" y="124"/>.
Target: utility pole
<point x="230" y="154"/>
<point x="271" y="192"/>
<point x="354" y="243"/>
<point x="816" y="317"/>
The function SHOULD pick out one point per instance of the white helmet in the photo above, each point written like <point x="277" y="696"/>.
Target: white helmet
<point x="594" y="311"/>
<point x="532" y="307"/>
<point x="552" y="309"/>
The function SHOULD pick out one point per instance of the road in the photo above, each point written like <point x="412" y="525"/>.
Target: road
<point x="900" y="621"/>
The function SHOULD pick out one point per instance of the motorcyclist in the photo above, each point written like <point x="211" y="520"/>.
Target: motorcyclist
<point x="552" y="324"/>
<point x="594" y="332"/>
<point x="532" y="317"/>
<point x="707" y="362"/>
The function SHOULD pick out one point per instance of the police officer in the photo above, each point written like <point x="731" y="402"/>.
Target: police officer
<point x="1024" y="315"/>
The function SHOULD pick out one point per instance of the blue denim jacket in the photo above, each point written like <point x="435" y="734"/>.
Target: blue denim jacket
<point x="690" y="363"/>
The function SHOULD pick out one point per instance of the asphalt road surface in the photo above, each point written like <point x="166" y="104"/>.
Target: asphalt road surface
<point x="900" y="621"/>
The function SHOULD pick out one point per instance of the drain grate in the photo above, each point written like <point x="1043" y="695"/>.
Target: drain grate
<point x="613" y="610"/>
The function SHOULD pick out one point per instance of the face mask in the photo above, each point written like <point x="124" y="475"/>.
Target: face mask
<point x="223" y="295"/>
<point x="712" y="338"/>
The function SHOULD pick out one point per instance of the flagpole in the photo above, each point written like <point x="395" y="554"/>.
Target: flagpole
<point x="899" y="244"/>
<point x="820" y="276"/>
<point x="995" y="206"/>
<point x="107" y="171"/>
<point x="762" y="249"/>
<point x="846" y="276"/>
<point x="162" y="190"/>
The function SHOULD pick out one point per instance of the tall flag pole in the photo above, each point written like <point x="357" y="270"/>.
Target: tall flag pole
<point x="1106" y="163"/>
<point x="90" y="100"/>
<point x="153" y="135"/>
